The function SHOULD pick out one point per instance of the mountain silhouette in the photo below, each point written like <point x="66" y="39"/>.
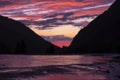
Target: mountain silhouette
<point x="16" y="38"/>
<point x="102" y="35"/>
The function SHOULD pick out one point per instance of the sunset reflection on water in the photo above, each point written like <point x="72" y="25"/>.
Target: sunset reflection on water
<point x="57" y="67"/>
<point x="36" y="60"/>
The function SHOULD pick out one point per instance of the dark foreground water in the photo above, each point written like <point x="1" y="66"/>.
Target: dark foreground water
<point x="60" y="67"/>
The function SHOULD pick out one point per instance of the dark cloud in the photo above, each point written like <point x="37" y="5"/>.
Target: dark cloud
<point x="56" y="38"/>
<point x="64" y="14"/>
<point x="106" y="1"/>
<point x="55" y="22"/>
<point x="79" y="0"/>
<point x="5" y="3"/>
<point x="52" y="22"/>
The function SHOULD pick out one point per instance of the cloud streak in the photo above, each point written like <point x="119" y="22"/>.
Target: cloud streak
<point x="99" y="6"/>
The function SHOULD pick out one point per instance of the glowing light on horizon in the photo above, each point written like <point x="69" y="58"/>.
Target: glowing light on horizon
<point x="65" y="30"/>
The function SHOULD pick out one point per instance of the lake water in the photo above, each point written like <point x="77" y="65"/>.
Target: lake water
<point x="60" y="67"/>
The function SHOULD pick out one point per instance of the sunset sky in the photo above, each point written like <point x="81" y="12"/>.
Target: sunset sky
<point x="57" y="21"/>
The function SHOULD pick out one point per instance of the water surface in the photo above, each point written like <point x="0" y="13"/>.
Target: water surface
<point x="60" y="67"/>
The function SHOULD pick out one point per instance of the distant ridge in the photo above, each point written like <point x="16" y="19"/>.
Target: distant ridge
<point x="101" y="35"/>
<point x="16" y="38"/>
